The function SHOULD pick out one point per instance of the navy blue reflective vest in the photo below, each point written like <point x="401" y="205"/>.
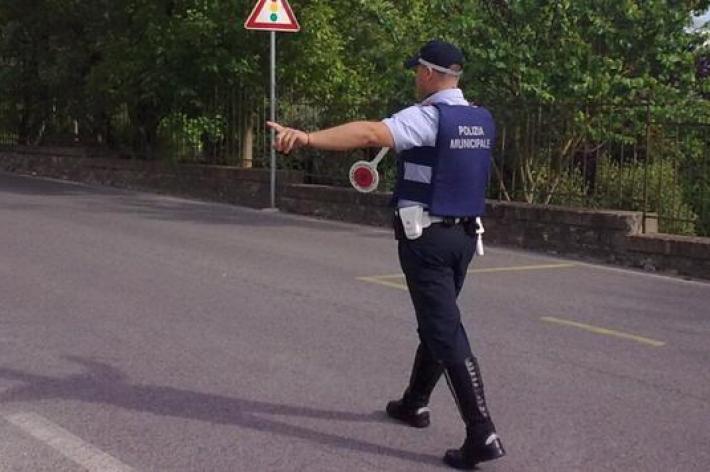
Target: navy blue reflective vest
<point x="451" y="177"/>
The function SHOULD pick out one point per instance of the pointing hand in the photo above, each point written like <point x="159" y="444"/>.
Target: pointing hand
<point x="287" y="139"/>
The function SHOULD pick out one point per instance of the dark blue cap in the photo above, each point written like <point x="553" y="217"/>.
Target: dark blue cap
<point x="439" y="53"/>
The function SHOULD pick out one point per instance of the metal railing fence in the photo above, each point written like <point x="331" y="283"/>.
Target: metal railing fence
<point x="641" y="156"/>
<point x="626" y="157"/>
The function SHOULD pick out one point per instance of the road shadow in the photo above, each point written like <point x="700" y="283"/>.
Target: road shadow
<point x="159" y="207"/>
<point x="25" y="184"/>
<point x="102" y="383"/>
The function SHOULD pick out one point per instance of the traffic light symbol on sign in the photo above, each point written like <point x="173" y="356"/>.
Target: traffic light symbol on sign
<point x="274" y="11"/>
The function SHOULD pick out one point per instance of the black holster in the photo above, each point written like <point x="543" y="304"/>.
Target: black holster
<point x="398" y="227"/>
<point x="470" y="227"/>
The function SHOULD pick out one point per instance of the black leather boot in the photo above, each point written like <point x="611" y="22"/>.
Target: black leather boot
<point x="482" y="443"/>
<point x="412" y="409"/>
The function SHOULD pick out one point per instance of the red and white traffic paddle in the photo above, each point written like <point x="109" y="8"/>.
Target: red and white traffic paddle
<point x="363" y="174"/>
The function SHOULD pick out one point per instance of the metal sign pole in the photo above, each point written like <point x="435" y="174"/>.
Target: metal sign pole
<point x="272" y="16"/>
<point x="273" y="118"/>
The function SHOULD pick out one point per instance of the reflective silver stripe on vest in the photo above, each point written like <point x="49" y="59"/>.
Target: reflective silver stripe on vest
<point x="417" y="173"/>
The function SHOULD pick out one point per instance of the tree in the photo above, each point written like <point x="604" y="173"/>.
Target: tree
<point x="126" y="70"/>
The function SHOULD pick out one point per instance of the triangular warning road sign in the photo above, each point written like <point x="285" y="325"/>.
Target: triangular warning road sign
<point x="272" y="15"/>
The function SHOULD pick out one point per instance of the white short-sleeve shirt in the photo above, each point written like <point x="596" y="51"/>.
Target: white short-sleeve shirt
<point x="418" y="125"/>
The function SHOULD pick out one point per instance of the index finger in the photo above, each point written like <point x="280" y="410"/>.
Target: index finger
<point x="275" y="126"/>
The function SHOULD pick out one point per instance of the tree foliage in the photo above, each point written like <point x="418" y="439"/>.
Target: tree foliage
<point x="95" y="66"/>
<point x="159" y="56"/>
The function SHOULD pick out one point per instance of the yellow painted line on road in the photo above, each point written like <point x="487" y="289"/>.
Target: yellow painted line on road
<point x="397" y="280"/>
<point x="382" y="280"/>
<point x="604" y="331"/>
<point x="520" y="268"/>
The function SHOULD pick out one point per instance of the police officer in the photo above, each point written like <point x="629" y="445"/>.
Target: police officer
<point x="444" y="153"/>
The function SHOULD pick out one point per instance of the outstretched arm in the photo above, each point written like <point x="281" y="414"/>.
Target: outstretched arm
<point x="353" y="135"/>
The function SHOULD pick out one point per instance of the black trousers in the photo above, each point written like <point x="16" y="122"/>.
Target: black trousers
<point x="435" y="267"/>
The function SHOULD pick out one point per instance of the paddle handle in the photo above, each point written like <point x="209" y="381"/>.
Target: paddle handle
<point x="380" y="156"/>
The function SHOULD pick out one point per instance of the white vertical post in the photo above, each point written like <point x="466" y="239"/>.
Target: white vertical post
<point x="273" y="118"/>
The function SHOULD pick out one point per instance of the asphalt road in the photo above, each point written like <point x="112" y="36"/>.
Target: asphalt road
<point x="147" y="333"/>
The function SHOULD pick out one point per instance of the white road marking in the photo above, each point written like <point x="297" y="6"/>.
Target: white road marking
<point x="70" y="446"/>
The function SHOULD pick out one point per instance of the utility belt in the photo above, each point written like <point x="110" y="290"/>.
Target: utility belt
<point x="410" y="223"/>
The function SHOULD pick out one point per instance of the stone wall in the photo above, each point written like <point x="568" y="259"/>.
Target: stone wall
<point x="234" y="185"/>
<point x="666" y="252"/>
<point x="607" y="236"/>
<point x="600" y="235"/>
<point x="337" y="204"/>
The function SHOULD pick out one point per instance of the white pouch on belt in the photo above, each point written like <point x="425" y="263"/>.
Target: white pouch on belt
<point x="412" y="221"/>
